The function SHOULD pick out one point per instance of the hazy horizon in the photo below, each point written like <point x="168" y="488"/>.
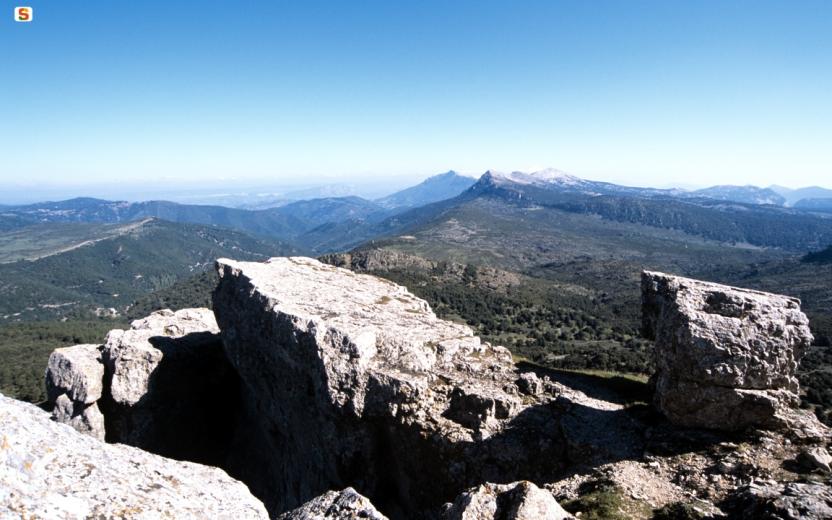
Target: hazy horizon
<point x="647" y="94"/>
<point x="203" y="192"/>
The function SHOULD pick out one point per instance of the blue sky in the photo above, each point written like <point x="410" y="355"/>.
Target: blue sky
<point x="649" y="93"/>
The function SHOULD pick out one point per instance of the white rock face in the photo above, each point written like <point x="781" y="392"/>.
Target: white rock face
<point x="517" y="501"/>
<point x="407" y="408"/>
<point x="132" y="355"/>
<point x="726" y="358"/>
<point x="48" y="470"/>
<point x="335" y="505"/>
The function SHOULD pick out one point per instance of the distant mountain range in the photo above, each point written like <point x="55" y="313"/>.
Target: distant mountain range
<point x="706" y="217"/>
<point x="722" y="213"/>
<point x="793" y="196"/>
<point x="556" y="179"/>
<point x="743" y="194"/>
<point x="308" y="222"/>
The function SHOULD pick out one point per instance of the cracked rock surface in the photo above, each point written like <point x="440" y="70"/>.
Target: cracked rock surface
<point x="726" y="358"/>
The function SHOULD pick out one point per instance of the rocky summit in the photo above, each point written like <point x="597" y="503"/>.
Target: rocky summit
<point x="333" y="395"/>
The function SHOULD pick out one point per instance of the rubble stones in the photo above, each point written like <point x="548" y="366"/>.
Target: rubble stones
<point x="516" y="501"/>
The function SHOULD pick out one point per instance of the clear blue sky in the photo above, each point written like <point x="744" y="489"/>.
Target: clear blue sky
<point x="650" y="93"/>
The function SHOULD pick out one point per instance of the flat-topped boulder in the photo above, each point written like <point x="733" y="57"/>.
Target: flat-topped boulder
<point x="726" y="358"/>
<point x="352" y="380"/>
<point x="49" y="470"/>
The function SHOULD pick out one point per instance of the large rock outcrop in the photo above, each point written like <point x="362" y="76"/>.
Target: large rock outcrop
<point x="163" y="385"/>
<point x="350" y="380"/>
<point x="313" y="378"/>
<point x="726" y="358"/>
<point x="48" y="470"/>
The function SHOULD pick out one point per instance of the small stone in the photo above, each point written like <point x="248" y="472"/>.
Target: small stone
<point x="530" y="384"/>
<point x="816" y="458"/>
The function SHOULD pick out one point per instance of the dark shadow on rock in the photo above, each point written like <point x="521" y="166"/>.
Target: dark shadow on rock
<point x="190" y="409"/>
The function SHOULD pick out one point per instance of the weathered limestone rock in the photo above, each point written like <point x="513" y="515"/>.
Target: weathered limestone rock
<point x="74" y="383"/>
<point x="133" y="355"/>
<point x="158" y="385"/>
<point x="86" y="419"/>
<point x="791" y="501"/>
<point x="725" y="357"/>
<point x="48" y="470"/>
<point x="335" y="505"/>
<point x="816" y="458"/>
<point x="516" y="501"/>
<point x="76" y="371"/>
<point x="171" y="390"/>
<point x="351" y="380"/>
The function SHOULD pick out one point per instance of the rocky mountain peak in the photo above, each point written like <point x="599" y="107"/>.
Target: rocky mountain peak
<point x="548" y="177"/>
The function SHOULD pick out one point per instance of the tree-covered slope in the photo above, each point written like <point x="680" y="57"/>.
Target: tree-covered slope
<point x="113" y="271"/>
